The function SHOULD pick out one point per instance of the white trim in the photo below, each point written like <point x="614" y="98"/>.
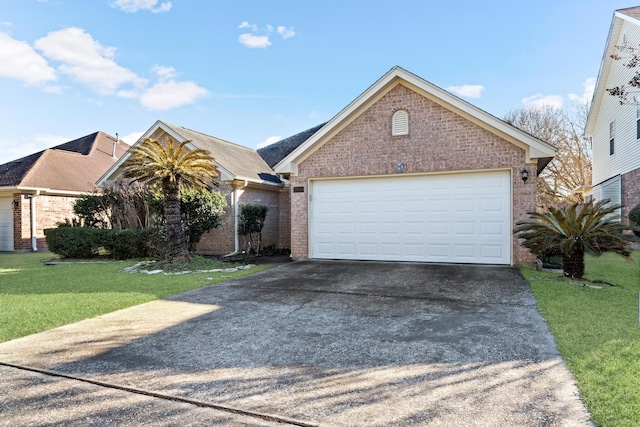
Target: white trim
<point x="534" y="147"/>
<point x="605" y="70"/>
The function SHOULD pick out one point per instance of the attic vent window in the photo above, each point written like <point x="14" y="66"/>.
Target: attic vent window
<point x="400" y="123"/>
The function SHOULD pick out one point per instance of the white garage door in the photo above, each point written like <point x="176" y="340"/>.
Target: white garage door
<point x="458" y="218"/>
<point x="6" y="224"/>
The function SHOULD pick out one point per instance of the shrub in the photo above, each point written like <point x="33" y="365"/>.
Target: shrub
<point x="129" y="243"/>
<point x="634" y="217"/>
<point x="85" y="242"/>
<point x="252" y="219"/>
<point x="74" y="242"/>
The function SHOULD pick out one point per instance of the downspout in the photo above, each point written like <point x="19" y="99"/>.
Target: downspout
<point x="32" y="205"/>
<point x="236" y="215"/>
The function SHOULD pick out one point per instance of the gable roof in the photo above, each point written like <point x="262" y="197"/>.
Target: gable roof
<point x="632" y="15"/>
<point x="273" y="153"/>
<point x="70" y="167"/>
<point x="234" y="161"/>
<point x="535" y="148"/>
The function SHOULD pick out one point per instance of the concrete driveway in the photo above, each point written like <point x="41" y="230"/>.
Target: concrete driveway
<point x="307" y="343"/>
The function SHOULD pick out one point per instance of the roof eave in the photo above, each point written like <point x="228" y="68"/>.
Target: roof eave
<point x="534" y="147"/>
<point x="603" y="72"/>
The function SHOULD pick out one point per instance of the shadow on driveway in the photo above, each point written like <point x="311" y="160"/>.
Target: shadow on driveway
<point x="338" y="343"/>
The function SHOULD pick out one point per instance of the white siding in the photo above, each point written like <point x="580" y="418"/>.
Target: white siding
<point x="611" y="190"/>
<point x="6" y="224"/>
<point x="627" y="148"/>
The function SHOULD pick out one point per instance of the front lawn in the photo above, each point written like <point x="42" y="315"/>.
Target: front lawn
<point x="598" y="334"/>
<point x="35" y="297"/>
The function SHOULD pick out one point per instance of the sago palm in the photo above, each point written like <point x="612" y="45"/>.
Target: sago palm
<point x="593" y="227"/>
<point x="172" y="166"/>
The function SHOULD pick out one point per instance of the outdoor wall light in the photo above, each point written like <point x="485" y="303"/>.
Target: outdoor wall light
<point x="15" y="204"/>
<point x="525" y="175"/>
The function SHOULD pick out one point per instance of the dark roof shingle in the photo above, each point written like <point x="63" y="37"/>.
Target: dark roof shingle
<point x="72" y="166"/>
<point x="274" y="153"/>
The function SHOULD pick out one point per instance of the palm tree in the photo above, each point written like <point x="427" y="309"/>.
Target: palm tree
<point x="172" y="167"/>
<point x="593" y="227"/>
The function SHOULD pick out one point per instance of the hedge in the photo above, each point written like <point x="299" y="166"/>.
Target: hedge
<point x="86" y="242"/>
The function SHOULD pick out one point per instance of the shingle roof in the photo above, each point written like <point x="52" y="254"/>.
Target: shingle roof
<point x="240" y="161"/>
<point x="73" y="166"/>
<point x="633" y="12"/>
<point x="277" y="151"/>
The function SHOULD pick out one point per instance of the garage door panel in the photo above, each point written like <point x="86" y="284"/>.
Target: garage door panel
<point x="444" y="218"/>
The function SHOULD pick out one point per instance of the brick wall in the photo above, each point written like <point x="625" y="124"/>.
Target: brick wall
<point x="439" y="140"/>
<point x="50" y="210"/>
<point x="221" y="241"/>
<point x="630" y="186"/>
<point x="285" y="219"/>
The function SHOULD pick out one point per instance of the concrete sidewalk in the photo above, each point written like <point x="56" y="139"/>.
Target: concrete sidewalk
<point x="332" y="343"/>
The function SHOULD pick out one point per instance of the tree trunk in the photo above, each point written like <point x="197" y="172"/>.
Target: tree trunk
<point x="176" y="241"/>
<point x="573" y="263"/>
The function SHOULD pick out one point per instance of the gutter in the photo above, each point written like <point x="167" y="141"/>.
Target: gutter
<point x="236" y="214"/>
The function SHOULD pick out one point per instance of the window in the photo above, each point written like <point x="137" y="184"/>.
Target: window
<point x="612" y="137"/>
<point x="400" y="123"/>
<point x="625" y="38"/>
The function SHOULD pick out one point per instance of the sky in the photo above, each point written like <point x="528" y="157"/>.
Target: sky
<point x="253" y="71"/>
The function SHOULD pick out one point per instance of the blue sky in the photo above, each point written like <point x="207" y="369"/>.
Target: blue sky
<point x="254" y="71"/>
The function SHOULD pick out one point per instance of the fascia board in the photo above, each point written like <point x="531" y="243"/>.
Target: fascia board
<point x="290" y="163"/>
<point x="110" y="175"/>
<point x="113" y="172"/>
<point x="604" y="71"/>
<point x="533" y="146"/>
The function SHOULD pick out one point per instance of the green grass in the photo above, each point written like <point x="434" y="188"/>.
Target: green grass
<point x="35" y="297"/>
<point x="598" y="334"/>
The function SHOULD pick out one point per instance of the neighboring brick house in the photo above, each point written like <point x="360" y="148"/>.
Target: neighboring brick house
<point x="244" y="177"/>
<point x="614" y="128"/>
<point x="410" y="172"/>
<point x="38" y="191"/>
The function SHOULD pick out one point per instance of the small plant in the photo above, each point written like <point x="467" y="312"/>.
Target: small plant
<point x="252" y="219"/>
<point x="593" y="227"/>
<point x="634" y="217"/>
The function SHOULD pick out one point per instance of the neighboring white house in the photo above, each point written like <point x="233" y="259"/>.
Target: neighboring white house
<point x="614" y="127"/>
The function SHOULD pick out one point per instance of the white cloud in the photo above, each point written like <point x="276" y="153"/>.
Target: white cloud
<point x="7" y="24"/>
<point x="269" y="141"/>
<point x="246" y="24"/>
<point x="169" y="94"/>
<point x="286" y="32"/>
<point x="19" y="61"/>
<point x="132" y="6"/>
<point x="86" y="60"/>
<point x="254" y="41"/>
<point x="589" y="86"/>
<point x="16" y="149"/>
<point x="467" y="91"/>
<point x="539" y="101"/>
<point x="131" y="138"/>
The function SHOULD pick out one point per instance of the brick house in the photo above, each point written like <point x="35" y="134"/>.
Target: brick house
<point x="38" y="191"/>
<point x="410" y="172"/>
<point x="406" y="172"/>
<point x="244" y="177"/>
<point x="614" y="127"/>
